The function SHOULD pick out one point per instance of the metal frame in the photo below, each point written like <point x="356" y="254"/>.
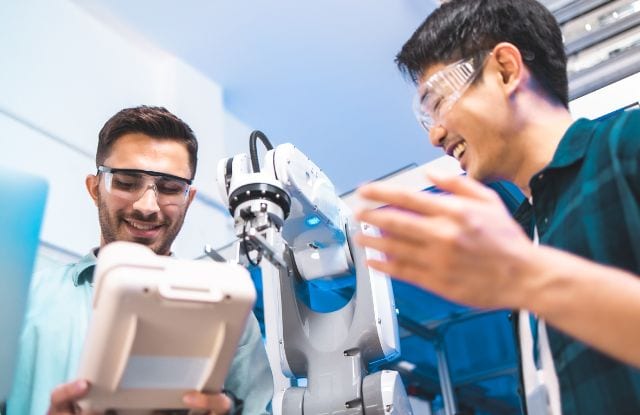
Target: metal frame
<point x="565" y="10"/>
<point x="434" y="331"/>
<point x="603" y="33"/>
<point x="614" y="69"/>
<point x="619" y="64"/>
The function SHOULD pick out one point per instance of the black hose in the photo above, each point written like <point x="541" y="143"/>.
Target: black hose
<point x="253" y="151"/>
<point x="245" y="245"/>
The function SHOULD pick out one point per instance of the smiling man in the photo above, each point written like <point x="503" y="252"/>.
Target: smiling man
<point x="128" y="211"/>
<point x="146" y="160"/>
<point x="492" y="92"/>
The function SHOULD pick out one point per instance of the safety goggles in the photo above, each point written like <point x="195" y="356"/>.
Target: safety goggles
<point x="437" y="95"/>
<point x="131" y="184"/>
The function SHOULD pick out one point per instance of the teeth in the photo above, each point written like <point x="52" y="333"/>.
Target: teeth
<point x="141" y="226"/>
<point x="458" y="150"/>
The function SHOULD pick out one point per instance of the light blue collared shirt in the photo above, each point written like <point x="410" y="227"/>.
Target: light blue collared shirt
<point x="58" y="314"/>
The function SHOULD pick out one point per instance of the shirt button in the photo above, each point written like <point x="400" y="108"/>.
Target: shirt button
<point x="540" y="176"/>
<point x="546" y="220"/>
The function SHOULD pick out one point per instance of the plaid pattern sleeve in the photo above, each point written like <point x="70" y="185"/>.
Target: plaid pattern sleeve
<point x="587" y="201"/>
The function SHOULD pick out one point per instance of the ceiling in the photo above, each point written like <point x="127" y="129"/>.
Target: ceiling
<point x="320" y="75"/>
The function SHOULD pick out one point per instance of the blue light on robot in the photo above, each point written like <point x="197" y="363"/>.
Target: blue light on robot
<point x="312" y="221"/>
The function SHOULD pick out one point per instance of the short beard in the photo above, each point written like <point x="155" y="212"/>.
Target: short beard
<point x="109" y="227"/>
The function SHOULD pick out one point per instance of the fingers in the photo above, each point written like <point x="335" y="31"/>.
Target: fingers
<point x="216" y="403"/>
<point x="462" y="186"/>
<point x="64" y="397"/>
<point x="412" y="273"/>
<point x="463" y="190"/>
<point x="421" y="203"/>
<point x="412" y="229"/>
<point x="418" y="202"/>
<point x="393" y="222"/>
<point x="394" y="248"/>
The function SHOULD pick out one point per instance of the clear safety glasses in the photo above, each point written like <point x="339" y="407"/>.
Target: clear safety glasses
<point x="131" y="184"/>
<point x="437" y="95"/>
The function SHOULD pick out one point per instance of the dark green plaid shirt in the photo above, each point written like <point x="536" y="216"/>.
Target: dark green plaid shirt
<point x="587" y="201"/>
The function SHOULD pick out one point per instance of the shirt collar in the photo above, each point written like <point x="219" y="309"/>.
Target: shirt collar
<point x="83" y="272"/>
<point x="573" y="144"/>
<point x="83" y="269"/>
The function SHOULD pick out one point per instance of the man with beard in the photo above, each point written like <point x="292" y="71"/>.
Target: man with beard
<point x="146" y="160"/>
<point x="492" y="91"/>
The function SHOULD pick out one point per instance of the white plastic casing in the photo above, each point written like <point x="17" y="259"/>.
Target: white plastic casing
<point x="161" y="326"/>
<point x="383" y="301"/>
<point x="315" y="228"/>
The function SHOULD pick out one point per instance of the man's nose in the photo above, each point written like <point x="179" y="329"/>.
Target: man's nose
<point x="148" y="201"/>
<point x="437" y="134"/>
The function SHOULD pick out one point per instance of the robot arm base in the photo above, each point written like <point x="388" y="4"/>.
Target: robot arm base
<point x="383" y="393"/>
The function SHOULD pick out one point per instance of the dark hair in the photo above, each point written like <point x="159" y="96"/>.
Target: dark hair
<point x="156" y="122"/>
<point x="460" y="29"/>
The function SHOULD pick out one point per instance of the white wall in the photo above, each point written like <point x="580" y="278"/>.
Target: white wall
<point x="62" y="75"/>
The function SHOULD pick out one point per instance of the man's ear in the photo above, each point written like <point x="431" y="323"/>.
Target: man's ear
<point x="513" y="72"/>
<point x="93" y="182"/>
<point x="192" y="194"/>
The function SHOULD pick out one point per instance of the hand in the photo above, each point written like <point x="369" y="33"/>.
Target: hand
<point x="64" y="398"/>
<point x="463" y="246"/>
<point x="203" y="403"/>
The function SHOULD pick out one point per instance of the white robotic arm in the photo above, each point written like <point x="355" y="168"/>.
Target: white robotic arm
<point x="290" y="214"/>
<point x="316" y="217"/>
